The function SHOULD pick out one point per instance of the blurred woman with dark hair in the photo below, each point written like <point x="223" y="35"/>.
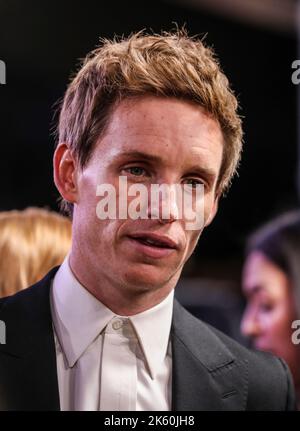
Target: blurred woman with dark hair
<point x="271" y="283"/>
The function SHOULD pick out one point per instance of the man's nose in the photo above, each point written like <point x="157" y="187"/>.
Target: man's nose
<point x="250" y="326"/>
<point x="165" y="205"/>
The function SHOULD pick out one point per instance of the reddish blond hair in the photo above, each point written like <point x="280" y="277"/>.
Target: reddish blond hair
<point x="168" y="65"/>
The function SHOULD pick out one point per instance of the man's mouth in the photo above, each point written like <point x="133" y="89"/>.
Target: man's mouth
<point x="153" y="245"/>
<point x="154" y="240"/>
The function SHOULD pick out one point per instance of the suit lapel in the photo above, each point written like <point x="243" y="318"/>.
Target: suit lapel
<point x="206" y="375"/>
<point x="28" y="360"/>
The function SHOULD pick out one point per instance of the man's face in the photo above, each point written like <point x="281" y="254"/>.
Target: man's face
<point x="150" y="140"/>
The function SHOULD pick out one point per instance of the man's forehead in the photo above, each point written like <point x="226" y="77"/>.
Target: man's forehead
<point x="161" y="115"/>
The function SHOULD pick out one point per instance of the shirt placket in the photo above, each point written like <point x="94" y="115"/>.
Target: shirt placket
<point x="119" y="367"/>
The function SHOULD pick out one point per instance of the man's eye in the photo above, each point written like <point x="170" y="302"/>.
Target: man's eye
<point x="193" y="182"/>
<point x="136" y="170"/>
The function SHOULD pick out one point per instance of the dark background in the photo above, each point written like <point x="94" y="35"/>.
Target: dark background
<point x="41" y="43"/>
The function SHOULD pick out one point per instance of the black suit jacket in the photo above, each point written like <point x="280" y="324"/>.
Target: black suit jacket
<point x="210" y="370"/>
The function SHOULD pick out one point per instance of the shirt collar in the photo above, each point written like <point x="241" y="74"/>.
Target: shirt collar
<point x="153" y="330"/>
<point x="79" y="318"/>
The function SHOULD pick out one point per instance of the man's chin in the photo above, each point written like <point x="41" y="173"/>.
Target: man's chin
<point x="147" y="277"/>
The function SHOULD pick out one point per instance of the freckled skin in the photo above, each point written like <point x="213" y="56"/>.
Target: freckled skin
<point x="102" y="258"/>
<point x="270" y="310"/>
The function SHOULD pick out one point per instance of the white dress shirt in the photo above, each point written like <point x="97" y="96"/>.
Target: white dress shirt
<point x="106" y="361"/>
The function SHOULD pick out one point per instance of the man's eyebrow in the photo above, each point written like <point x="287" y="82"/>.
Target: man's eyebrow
<point x="141" y="155"/>
<point x="200" y="170"/>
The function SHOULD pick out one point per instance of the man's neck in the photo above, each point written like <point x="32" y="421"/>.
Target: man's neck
<point x="122" y="300"/>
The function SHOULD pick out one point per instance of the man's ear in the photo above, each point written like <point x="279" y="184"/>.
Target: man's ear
<point x="65" y="170"/>
<point x="213" y="211"/>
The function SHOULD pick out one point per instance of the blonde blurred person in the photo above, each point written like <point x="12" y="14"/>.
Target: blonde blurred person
<point x="32" y="241"/>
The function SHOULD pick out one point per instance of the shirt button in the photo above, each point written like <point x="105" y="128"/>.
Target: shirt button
<point x="117" y="324"/>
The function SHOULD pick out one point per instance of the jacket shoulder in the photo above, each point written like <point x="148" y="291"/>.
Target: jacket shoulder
<point x="269" y="381"/>
<point x="24" y="297"/>
<point x="26" y="315"/>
